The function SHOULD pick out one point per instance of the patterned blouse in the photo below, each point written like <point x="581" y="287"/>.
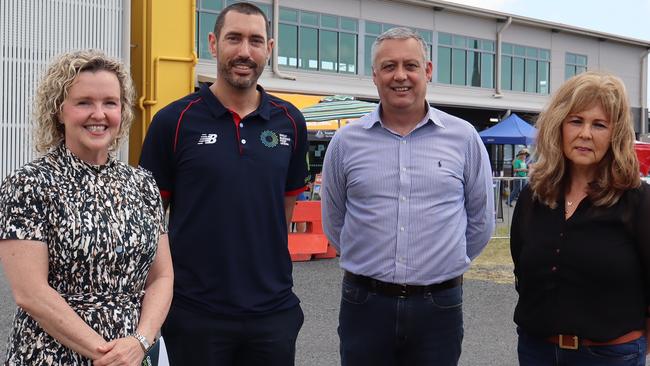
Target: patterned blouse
<point x="101" y="226"/>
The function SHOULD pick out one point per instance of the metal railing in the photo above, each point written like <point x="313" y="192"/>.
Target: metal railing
<point x="504" y="188"/>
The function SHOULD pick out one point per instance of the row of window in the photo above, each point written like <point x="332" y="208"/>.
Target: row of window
<point x="329" y="43"/>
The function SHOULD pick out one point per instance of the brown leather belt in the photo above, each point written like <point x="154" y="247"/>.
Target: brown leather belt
<point x="567" y="341"/>
<point x="398" y="290"/>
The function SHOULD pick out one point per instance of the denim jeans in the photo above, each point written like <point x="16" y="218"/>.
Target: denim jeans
<point x="534" y="351"/>
<point x="193" y="338"/>
<point x="517" y="185"/>
<point x="378" y="330"/>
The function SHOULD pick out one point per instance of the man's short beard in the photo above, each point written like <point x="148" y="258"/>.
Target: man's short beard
<point x="239" y="82"/>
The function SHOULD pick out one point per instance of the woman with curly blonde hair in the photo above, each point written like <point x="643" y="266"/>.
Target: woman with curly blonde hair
<point x="83" y="239"/>
<point x="580" y="237"/>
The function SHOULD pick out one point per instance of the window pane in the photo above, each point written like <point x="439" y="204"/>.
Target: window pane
<point x="506" y="48"/>
<point x="531" y="52"/>
<point x="444" y="65"/>
<point x="308" y="48"/>
<point x="473" y="68"/>
<point x="570" y="58"/>
<point x="580" y="69"/>
<point x="266" y="9"/>
<point x="328" y="50"/>
<point x="329" y="21"/>
<point x="349" y="24"/>
<point x="506" y="72"/>
<point x="543" y="78"/>
<point x="544" y="55"/>
<point x="348" y="53"/>
<point x="212" y="5"/>
<point x="569" y="71"/>
<point x="386" y="27"/>
<point x="517" y="74"/>
<point x="309" y="18"/>
<point x="487" y="45"/>
<point x="458" y="67"/>
<point x="444" y="38"/>
<point x="426" y="35"/>
<point x="367" y="50"/>
<point x="373" y="28"/>
<point x="487" y="70"/>
<point x="288" y="15"/>
<point x="531" y="76"/>
<point x="473" y="43"/>
<point x="206" y="25"/>
<point x="520" y="50"/>
<point x="581" y="60"/>
<point x="288" y="45"/>
<point x="460" y="41"/>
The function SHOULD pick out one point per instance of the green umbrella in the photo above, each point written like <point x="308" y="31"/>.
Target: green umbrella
<point x="337" y="107"/>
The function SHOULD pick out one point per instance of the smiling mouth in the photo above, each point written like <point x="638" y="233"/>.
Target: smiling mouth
<point x="96" y="128"/>
<point x="401" y="89"/>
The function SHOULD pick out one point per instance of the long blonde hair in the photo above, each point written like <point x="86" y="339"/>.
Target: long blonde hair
<point x="54" y="87"/>
<point x="619" y="168"/>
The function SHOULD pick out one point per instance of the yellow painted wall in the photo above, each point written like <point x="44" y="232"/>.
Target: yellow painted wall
<point x="162" y="59"/>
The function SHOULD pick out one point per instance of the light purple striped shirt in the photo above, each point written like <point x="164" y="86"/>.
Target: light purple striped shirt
<point x="410" y="210"/>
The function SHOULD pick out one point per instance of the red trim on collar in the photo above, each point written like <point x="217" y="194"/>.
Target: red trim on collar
<point x="295" y="192"/>
<point x="237" y="119"/>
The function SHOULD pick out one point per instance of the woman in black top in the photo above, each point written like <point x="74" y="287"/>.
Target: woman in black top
<point x="580" y="238"/>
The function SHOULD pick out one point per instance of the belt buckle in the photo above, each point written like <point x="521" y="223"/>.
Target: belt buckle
<point x="403" y="292"/>
<point x="571" y="344"/>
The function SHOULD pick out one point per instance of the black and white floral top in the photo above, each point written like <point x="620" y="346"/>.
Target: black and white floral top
<point x="101" y="226"/>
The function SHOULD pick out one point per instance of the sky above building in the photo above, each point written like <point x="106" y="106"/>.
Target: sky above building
<point x="627" y="18"/>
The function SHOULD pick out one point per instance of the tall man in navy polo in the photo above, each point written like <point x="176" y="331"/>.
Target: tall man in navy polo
<point x="230" y="160"/>
<point x="407" y="201"/>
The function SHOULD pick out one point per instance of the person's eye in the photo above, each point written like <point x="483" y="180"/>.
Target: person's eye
<point x="600" y="125"/>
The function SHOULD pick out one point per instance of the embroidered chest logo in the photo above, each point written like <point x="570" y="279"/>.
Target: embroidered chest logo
<point x="207" y="138"/>
<point x="271" y="139"/>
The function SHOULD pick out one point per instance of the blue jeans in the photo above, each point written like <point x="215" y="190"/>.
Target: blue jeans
<point x="193" y="338"/>
<point x="517" y="185"/>
<point x="534" y="351"/>
<point x="378" y="330"/>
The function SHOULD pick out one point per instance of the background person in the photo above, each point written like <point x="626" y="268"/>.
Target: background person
<point x="407" y="201"/>
<point x="580" y="235"/>
<point x="519" y="171"/>
<point x="82" y="235"/>
<point x="230" y="160"/>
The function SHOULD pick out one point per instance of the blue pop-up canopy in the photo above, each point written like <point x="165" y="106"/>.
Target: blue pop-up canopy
<point x="511" y="131"/>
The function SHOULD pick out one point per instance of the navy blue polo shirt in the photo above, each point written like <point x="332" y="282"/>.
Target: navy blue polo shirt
<point x="226" y="179"/>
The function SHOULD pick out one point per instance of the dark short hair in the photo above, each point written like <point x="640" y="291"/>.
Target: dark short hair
<point x="242" y="8"/>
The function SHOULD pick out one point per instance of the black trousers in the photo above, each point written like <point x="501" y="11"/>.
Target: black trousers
<point x="262" y="340"/>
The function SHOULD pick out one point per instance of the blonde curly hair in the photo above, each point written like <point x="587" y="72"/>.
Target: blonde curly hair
<point x="53" y="89"/>
<point x="617" y="171"/>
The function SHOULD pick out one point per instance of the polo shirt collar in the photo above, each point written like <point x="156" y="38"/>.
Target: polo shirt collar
<point x="218" y="109"/>
<point x="430" y="117"/>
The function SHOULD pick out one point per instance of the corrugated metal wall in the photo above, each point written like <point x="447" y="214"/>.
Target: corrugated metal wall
<point x="32" y="32"/>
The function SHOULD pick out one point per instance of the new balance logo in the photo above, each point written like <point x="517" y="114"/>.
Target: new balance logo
<point x="207" y="138"/>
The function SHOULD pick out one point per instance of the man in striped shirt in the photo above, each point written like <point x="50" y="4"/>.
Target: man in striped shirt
<point x="407" y="201"/>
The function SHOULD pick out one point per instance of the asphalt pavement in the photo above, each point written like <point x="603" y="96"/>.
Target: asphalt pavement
<point x="490" y="337"/>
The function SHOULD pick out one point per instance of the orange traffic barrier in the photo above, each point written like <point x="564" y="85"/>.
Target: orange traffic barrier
<point x="310" y="241"/>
